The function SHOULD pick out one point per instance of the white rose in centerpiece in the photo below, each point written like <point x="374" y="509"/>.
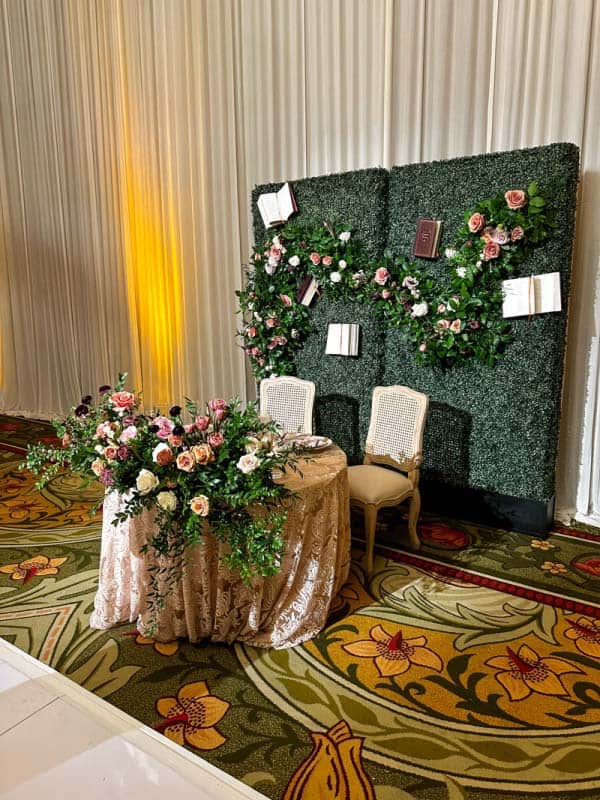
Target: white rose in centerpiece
<point x="247" y="463"/>
<point x="419" y="309"/>
<point x="294" y="261"/>
<point x="335" y="277"/>
<point x="146" y="481"/>
<point x="167" y="500"/>
<point x="344" y="236"/>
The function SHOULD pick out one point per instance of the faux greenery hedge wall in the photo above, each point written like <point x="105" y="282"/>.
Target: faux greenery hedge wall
<point x="488" y="428"/>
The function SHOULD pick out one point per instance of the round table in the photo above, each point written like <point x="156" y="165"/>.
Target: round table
<point x="210" y="601"/>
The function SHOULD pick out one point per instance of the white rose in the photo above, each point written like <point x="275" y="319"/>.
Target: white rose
<point x="167" y="500"/>
<point x="99" y="449"/>
<point x="146" y="481"/>
<point x="419" y="309"/>
<point x="461" y="271"/>
<point x="342" y="264"/>
<point x="359" y="278"/>
<point x="478" y="264"/>
<point x="257" y="317"/>
<point x="449" y="252"/>
<point x="270" y="266"/>
<point x="252" y="444"/>
<point x="159" y="449"/>
<point x="335" y="277"/>
<point x="344" y="236"/>
<point x="247" y="463"/>
<point x="294" y="261"/>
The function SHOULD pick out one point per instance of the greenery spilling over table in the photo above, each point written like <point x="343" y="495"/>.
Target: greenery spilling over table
<point x="456" y="322"/>
<point x="214" y="470"/>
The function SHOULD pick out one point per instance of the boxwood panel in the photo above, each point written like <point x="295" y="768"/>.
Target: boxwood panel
<point x="490" y="428"/>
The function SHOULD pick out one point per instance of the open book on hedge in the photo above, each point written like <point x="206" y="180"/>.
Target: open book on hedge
<point x="277" y="207"/>
<point x="342" y="339"/>
<point x="538" y="294"/>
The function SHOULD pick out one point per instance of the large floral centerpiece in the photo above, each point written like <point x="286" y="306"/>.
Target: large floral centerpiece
<point x="215" y="469"/>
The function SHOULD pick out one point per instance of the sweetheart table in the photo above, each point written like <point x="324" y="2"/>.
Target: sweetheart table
<point x="207" y="600"/>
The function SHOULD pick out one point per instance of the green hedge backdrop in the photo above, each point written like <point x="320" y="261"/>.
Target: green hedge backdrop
<point x="493" y="429"/>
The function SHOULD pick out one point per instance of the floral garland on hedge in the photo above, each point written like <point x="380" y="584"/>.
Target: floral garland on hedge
<point x="458" y="322"/>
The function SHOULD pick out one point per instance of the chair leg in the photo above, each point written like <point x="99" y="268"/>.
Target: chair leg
<point x="370" y="525"/>
<point x="413" y="515"/>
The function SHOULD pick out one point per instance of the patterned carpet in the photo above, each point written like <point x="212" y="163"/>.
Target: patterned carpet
<point x="467" y="671"/>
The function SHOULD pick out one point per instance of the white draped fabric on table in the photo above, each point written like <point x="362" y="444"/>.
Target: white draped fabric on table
<point x="210" y="601"/>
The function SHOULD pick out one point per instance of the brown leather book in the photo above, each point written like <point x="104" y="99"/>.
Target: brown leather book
<point x="307" y="290"/>
<point x="427" y="238"/>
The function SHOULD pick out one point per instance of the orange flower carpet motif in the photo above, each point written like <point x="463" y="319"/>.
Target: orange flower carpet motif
<point x="467" y="671"/>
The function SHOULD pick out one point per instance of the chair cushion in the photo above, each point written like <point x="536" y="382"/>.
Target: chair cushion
<point x="375" y="485"/>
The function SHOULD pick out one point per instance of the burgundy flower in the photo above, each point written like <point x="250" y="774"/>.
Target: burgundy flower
<point x="106" y="477"/>
<point x="86" y="401"/>
<point x="175" y="411"/>
<point x="81" y="410"/>
<point x="104" y="389"/>
<point x="123" y="452"/>
<point x="474" y="324"/>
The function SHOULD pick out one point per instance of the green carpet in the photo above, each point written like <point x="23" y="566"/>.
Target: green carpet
<point x="468" y="670"/>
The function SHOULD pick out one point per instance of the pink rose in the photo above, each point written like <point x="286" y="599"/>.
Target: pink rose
<point x="272" y="322"/>
<point x="517" y="234"/>
<point x="500" y="236"/>
<point x="515" y="198"/>
<point x="285" y="299"/>
<point x="386" y="294"/>
<point x="217" y="402"/>
<point x="110" y="453"/>
<point x="189" y="428"/>
<point x="441" y="308"/>
<point x="123" y="452"/>
<point x="216" y="439"/>
<point x="476" y="222"/>
<point x="255" y="351"/>
<point x="220" y="414"/>
<point x="491" y="250"/>
<point x="315" y="258"/>
<point x="443" y="324"/>
<point x="251" y="332"/>
<point x="122" y="401"/>
<point x="455" y="326"/>
<point x="488" y="234"/>
<point x="381" y="276"/>
<point x="66" y="440"/>
<point x="200" y="505"/>
<point x="162" y="454"/>
<point x="97" y="466"/>
<point x="186" y="461"/>
<point x="128" y="434"/>
<point x="175" y="441"/>
<point x="327" y="261"/>
<point x="165" y="427"/>
<point x="203" y="453"/>
<point x="422" y="347"/>
<point x="202" y="423"/>
<point x="275" y="253"/>
<point x="273" y="343"/>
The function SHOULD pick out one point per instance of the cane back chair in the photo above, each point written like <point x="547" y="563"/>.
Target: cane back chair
<point x="393" y="455"/>
<point x="289" y="402"/>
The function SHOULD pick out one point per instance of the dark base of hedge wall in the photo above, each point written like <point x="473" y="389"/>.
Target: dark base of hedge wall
<point x="488" y="508"/>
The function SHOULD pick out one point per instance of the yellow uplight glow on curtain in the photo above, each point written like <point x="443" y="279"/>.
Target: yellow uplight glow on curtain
<point x="154" y="281"/>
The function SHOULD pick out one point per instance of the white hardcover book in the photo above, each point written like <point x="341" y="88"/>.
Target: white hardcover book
<point x="538" y="294"/>
<point x="333" y="339"/>
<point x="277" y="207"/>
<point x="342" y="339"/>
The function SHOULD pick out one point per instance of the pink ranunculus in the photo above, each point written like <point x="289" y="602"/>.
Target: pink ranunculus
<point x="272" y="322"/>
<point x="315" y="258"/>
<point x="443" y="324"/>
<point x="476" y="222"/>
<point x="110" y="452"/>
<point x="175" y="441"/>
<point x="285" y="299"/>
<point x="517" y="234"/>
<point x="251" y="331"/>
<point x="515" y="198"/>
<point x="128" y="434"/>
<point x="202" y="423"/>
<point x="386" y="294"/>
<point x="382" y="276"/>
<point x="217" y="402"/>
<point x="220" y="414"/>
<point x="501" y="236"/>
<point x="186" y="461"/>
<point x="490" y="251"/>
<point x="327" y="261"/>
<point x="122" y="401"/>
<point x="216" y="439"/>
<point x="455" y="326"/>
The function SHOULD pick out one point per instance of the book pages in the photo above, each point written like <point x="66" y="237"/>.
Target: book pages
<point x="537" y="294"/>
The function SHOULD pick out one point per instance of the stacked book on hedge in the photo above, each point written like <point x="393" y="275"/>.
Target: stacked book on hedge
<point x="342" y="339"/>
<point x="537" y="294"/>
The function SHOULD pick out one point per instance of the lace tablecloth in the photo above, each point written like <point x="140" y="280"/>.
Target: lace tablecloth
<point x="208" y="600"/>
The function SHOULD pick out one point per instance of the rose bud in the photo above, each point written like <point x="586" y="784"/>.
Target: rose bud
<point x="175" y="411"/>
<point x="216" y="439"/>
<point x="104" y="389"/>
<point x="87" y="399"/>
<point x="81" y="410"/>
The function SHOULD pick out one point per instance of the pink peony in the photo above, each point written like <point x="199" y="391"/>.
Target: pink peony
<point x="515" y="198"/>
<point x="517" y="234"/>
<point x="490" y="251"/>
<point x="381" y="276"/>
<point x="165" y="426"/>
<point x="327" y="261"/>
<point x="476" y="222"/>
<point x="216" y="439"/>
<point x="186" y="461"/>
<point x="202" y="423"/>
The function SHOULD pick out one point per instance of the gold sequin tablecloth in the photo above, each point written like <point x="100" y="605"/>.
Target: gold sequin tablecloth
<point x="210" y="601"/>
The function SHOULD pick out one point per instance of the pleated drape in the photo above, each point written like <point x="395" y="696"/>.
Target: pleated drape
<point x="132" y="133"/>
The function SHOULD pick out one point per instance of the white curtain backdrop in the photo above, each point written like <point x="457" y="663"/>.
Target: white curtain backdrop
<point x="132" y="133"/>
